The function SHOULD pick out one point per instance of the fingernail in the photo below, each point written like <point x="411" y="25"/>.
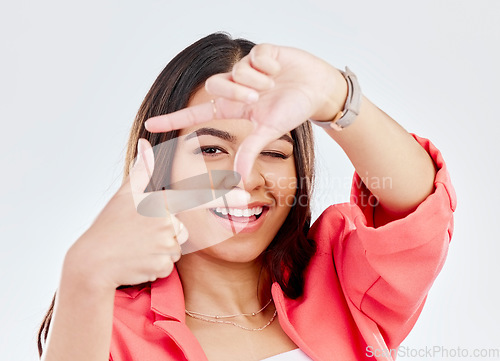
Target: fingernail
<point x="252" y="97"/>
<point x="182" y="236"/>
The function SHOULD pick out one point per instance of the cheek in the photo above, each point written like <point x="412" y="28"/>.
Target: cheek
<point x="178" y="172"/>
<point x="281" y="183"/>
<point x="283" y="189"/>
<point x="203" y="231"/>
<point x="186" y="165"/>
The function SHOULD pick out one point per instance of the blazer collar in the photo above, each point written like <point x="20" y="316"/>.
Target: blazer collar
<point x="284" y="306"/>
<point x="167" y="297"/>
<point x="167" y="301"/>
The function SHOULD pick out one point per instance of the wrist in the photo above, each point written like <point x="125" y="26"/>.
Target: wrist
<point x="351" y="107"/>
<point x="82" y="271"/>
<point x="334" y="97"/>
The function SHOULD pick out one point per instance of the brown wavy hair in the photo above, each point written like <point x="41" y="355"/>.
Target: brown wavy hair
<point x="288" y="255"/>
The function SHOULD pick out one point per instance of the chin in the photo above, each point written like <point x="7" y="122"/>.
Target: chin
<point x="236" y="250"/>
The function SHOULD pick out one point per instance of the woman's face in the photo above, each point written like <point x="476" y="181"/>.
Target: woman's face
<point x="235" y="234"/>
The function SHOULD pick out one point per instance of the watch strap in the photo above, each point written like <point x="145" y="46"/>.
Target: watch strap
<point x="352" y="105"/>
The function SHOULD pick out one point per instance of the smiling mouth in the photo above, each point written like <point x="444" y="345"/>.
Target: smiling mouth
<point x="239" y="215"/>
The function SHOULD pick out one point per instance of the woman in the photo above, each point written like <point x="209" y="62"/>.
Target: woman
<point x="348" y="288"/>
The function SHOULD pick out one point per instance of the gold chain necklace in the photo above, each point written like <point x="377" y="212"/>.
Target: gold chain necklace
<point x="217" y="318"/>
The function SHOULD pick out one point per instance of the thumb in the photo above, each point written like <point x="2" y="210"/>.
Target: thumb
<point x="142" y="170"/>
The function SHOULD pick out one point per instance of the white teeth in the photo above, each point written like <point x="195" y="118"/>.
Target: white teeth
<point x="238" y="212"/>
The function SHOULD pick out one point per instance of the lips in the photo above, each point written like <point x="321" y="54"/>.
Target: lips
<point x="236" y="223"/>
<point x="238" y="215"/>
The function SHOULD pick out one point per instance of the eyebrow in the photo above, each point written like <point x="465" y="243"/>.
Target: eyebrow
<point x="225" y="135"/>
<point x="213" y="132"/>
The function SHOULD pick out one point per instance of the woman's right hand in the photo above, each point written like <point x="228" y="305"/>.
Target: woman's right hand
<point x="123" y="247"/>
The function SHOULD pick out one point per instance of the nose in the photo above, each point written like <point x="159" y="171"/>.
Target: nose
<point x="223" y="181"/>
<point x="254" y="180"/>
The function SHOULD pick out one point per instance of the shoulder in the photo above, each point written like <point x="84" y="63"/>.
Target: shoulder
<point x="333" y="225"/>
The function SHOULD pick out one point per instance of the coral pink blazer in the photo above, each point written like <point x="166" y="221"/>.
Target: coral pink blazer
<point x="364" y="288"/>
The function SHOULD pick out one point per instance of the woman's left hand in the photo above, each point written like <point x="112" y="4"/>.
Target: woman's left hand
<point x="276" y="88"/>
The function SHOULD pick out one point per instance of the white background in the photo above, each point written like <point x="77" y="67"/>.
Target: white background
<point x="73" y="74"/>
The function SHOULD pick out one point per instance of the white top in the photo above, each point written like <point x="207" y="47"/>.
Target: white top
<point x="294" y="355"/>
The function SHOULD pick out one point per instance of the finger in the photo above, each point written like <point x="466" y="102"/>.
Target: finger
<point x="264" y="58"/>
<point x="200" y="189"/>
<point x="160" y="267"/>
<point x="245" y="89"/>
<point x="142" y="170"/>
<point x="221" y="85"/>
<point x="243" y="73"/>
<point x="203" y="190"/>
<point x="250" y="148"/>
<point x="175" y="256"/>
<point x="197" y="114"/>
<point x="189" y="193"/>
<point x="233" y="199"/>
<point x="181" y="235"/>
<point x="166" y="202"/>
<point x="181" y="119"/>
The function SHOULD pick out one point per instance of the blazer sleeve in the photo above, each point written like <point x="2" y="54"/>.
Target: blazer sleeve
<point x="386" y="272"/>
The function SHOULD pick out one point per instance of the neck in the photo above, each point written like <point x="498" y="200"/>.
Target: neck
<point x="218" y="287"/>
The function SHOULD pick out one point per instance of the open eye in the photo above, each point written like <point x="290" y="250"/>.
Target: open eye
<point x="209" y="150"/>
